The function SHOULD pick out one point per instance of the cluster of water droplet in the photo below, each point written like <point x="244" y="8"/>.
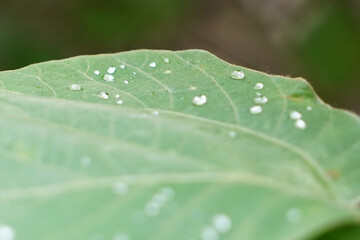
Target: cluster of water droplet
<point x="158" y="201"/>
<point x="75" y="87"/>
<point x="299" y="122"/>
<point x="110" y="78"/>
<point x="199" y="100"/>
<point x="237" y="75"/>
<point x="221" y="224"/>
<point x="258" y="100"/>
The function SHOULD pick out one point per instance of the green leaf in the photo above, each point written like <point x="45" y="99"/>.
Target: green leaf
<point x="75" y="166"/>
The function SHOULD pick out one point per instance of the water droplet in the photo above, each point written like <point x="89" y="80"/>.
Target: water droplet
<point x="156" y="113"/>
<point x="6" y="232"/>
<point x="111" y="70"/>
<point x="97" y="72"/>
<point x="295" y="115"/>
<point x="75" y="87"/>
<point x="152" y="65"/>
<point x="120" y="102"/>
<point x="160" y="199"/>
<point x="120" y="188"/>
<point x="238" y="75"/>
<point x="166" y="60"/>
<point x="222" y="223"/>
<point x="152" y="209"/>
<point x="255" y="109"/>
<point x="259" y="86"/>
<point x="309" y="108"/>
<point x="122" y="66"/>
<point x="117" y="96"/>
<point x="293" y="215"/>
<point x="108" y="78"/>
<point x="126" y="82"/>
<point x="232" y="134"/>
<point x="85" y="161"/>
<point x="261" y="100"/>
<point x="167" y="72"/>
<point x="121" y="236"/>
<point x="168" y="192"/>
<point x="102" y="95"/>
<point x="300" y="124"/>
<point x="209" y="233"/>
<point x="199" y="100"/>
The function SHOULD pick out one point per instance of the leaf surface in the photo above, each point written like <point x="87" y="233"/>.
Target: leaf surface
<point x="76" y="166"/>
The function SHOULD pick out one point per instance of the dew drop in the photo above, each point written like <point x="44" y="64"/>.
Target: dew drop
<point x="300" y="124"/>
<point x="126" y="82"/>
<point x="108" y="78"/>
<point x="156" y="113"/>
<point x="232" y="134"/>
<point x="238" y="75"/>
<point x="152" y="209"/>
<point x="255" y="109"/>
<point x="222" y="223"/>
<point x="168" y="192"/>
<point x="122" y="66"/>
<point x="120" y="188"/>
<point x="75" y="87"/>
<point x="6" y="232"/>
<point x="199" y="100"/>
<point x="261" y="100"/>
<point x="103" y="95"/>
<point x="85" y="161"/>
<point x="309" y="108"/>
<point x="160" y="199"/>
<point x="121" y="236"/>
<point x="152" y="65"/>
<point x="97" y="72"/>
<point x="120" y="102"/>
<point x="209" y="233"/>
<point x="295" y="115"/>
<point x="259" y="86"/>
<point x="166" y="60"/>
<point x="293" y="215"/>
<point x="111" y="70"/>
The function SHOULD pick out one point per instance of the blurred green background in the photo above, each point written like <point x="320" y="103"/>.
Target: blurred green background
<point x="316" y="39"/>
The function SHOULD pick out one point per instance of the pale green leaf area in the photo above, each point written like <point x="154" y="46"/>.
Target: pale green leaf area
<point x="176" y="165"/>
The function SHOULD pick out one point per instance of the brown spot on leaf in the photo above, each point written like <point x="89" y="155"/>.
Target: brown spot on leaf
<point x="334" y="174"/>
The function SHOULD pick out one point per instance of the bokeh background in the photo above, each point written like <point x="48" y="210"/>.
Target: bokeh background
<point x="316" y="39"/>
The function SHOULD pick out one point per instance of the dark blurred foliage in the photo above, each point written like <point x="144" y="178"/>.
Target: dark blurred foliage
<point x="316" y="39"/>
